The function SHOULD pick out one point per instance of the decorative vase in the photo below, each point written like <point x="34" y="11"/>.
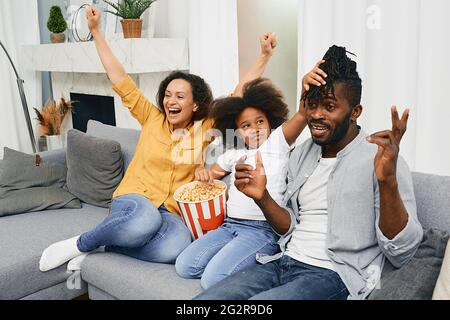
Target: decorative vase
<point x="57" y="37"/>
<point x="132" y="28"/>
<point x="54" y="142"/>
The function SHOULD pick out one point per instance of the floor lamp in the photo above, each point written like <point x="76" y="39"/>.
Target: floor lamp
<point x="24" y="101"/>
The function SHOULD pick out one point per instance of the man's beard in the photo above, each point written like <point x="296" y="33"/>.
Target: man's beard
<point x="338" y="133"/>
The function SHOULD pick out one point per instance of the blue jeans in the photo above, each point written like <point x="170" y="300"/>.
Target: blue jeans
<point x="283" y="279"/>
<point x="230" y="248"/>
<point x="136" y="228"/>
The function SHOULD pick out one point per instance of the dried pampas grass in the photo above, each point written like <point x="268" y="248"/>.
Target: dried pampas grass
<point x="52" y="116"/>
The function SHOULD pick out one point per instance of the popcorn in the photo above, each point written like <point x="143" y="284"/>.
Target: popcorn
<point x="201" y="192"/>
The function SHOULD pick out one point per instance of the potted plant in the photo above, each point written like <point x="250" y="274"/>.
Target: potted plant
<point x="130" y="11"/>
<point x="50" y="121"/>
<point x="56" y="25"/>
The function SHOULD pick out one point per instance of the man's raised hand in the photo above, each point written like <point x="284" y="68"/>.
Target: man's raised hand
<point x="388" y="142"/>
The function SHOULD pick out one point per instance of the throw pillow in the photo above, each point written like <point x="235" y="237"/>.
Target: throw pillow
<point x="128" y="138"/>
<point x="30" y="184"/>
<point x="416" y="279"/>
<point x="442" y="289"/>
<point x="95" y="167"/>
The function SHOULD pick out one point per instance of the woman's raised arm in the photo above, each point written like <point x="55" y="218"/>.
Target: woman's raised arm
<point x="113" y="67"/>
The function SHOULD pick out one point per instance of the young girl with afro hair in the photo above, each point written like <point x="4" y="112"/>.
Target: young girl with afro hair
<point x="258" y="120"/>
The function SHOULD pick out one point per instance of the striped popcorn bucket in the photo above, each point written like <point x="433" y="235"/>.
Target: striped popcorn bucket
<point x="202" y="216"/>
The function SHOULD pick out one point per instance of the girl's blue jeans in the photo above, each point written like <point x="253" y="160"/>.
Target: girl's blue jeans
<point x="230" y="248"/>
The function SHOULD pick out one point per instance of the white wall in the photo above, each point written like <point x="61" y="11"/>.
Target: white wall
<point x="171" y="18"/>
<point x="14" y="33"/>
<point x="402" y="49"/>
<point x="258" y="16"/>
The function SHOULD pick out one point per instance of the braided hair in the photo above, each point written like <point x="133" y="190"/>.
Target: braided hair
<point x="340" y="69"/>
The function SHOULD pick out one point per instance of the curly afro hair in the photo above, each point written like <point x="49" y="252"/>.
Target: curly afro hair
<point x="340" y="69"/>
<point x="260" y="94"/>
<point x="201" y="92"/>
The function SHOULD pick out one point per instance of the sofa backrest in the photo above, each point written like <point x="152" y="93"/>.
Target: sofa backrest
<point x="128" y="138"/>
<point x="432" y="191"/>
<point x="433" y="200"/>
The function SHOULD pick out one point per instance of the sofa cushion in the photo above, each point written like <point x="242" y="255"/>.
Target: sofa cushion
<point x="98" y="294"/>
<point x="128" y="138"/>
<point x="433" y="201"/>
<point x="26" y="186"/>
<point x="60" y="291"/>
<point x="94" y="167"/>
<point x="24" y="237"/>
<point x="416" y="279"/>
<point x="127" y="278"/>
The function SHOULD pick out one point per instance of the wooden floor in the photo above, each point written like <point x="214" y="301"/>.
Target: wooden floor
<point x="83" y="297"/>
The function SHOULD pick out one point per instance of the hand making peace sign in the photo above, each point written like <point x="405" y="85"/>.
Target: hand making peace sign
<point x="388" y="142"/>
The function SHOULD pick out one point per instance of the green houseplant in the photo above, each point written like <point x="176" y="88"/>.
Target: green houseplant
<point x="56" y="25"/>
<point x="130" y="11"/>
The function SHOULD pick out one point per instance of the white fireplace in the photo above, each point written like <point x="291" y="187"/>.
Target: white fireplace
<point x="76" y="68"/>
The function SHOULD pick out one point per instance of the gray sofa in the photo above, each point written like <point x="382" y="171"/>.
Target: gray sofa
<point x="112" y="276"/>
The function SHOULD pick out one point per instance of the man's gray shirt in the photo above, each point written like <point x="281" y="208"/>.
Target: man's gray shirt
<point x="355" y="244"/>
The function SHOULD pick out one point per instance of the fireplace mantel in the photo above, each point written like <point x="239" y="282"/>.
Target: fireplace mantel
<point x="138" y="56"/>
<point x="76" y="68"/>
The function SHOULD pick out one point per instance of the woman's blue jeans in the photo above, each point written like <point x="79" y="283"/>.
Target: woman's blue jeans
<point x="282" y="279"/>
<point x="136" y="228"/>
<point x="224" y="251"/>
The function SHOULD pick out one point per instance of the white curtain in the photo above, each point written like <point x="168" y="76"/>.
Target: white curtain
<point x="402" y="48"/>
<point x="18" y="26"/>
<point x="213" y="43"/>
<point x="212" y="29"/>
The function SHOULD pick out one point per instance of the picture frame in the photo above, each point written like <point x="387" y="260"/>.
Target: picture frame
<point x="76" y="20"/>
<point x="78" y="30"/>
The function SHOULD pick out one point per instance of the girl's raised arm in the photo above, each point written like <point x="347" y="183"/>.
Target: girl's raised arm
<point x="268" y="42"/>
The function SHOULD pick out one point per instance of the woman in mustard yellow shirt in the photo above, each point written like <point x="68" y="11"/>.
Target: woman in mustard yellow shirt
<point x="144" y="221"/>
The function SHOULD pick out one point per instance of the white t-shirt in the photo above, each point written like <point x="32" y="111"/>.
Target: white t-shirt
<point x="308" y="242"/>
<point x="275" y="155"/>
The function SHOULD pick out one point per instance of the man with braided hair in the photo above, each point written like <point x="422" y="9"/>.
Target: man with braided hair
<point x="349" y="205"/>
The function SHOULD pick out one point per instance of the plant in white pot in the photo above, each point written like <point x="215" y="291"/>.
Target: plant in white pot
<point x="50" y="121"/>
<point x="130" y="11"/>
<point x="56" y="25"/>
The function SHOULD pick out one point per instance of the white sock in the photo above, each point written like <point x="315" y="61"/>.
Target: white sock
<point x="59" y="253"/>
<point x="75" y="263"/>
